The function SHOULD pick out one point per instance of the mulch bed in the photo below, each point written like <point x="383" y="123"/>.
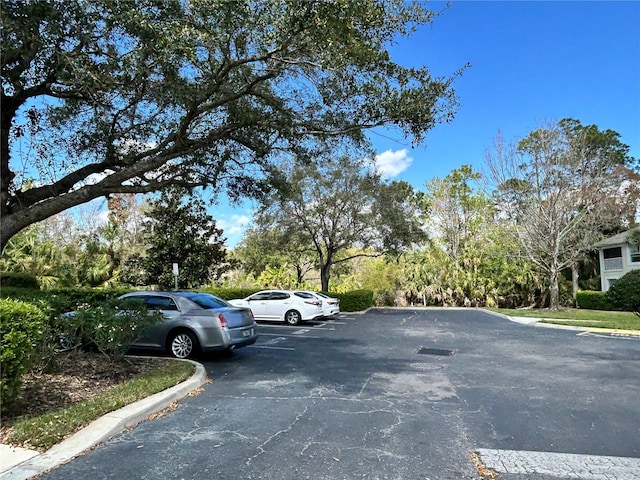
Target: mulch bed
<point x="77" y="376"/>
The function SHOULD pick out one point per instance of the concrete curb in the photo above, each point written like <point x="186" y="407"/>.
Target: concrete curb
<point x="538" y="322"/>
<point x="23" y="464"/>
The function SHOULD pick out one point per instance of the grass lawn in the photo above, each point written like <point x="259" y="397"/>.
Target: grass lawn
<point x="53" y="424"/>
<point x="578" y="317"/>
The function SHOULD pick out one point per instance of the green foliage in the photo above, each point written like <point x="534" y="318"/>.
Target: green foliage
<point x="277" y="277"/>
<point x="197" y="93"/>
<point x="625" y="294"/>
<point x="68" y="299"/>
<point x="22" y="328"/>
<point x="553" y="188"/>
<point x="472" y="259"/>
<point x="335" y="204"/>
<point x="20" y="280"/>
<point x="268" y="248"/>
<point x="180" y="232"/>
<point x="38" y="252"/>
<point x="383" y="277"/>
<point x="594" y="300"/>
<point x="58" y="301"/>
<point x="111" y="326"/>
<point x="65" y="251"/>
<point x="355" y="301"/>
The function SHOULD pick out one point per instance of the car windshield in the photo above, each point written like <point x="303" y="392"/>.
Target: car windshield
<point x="206" y="300"/>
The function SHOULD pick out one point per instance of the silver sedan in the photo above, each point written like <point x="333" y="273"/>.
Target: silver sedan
<point x="195" y="322"/>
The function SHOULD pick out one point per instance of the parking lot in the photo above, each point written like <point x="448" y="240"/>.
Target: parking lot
<point x="397" y="394"/>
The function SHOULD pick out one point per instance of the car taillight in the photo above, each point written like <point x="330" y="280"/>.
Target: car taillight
<point x="311" y="302"/>
<point x="222" y="321"/>
<point x="332" y="303"/>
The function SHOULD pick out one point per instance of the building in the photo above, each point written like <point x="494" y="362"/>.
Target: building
<point x="618" y="255"/>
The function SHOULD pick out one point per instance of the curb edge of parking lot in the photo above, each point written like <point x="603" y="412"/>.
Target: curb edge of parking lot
<point x="96" y="432"/>
<point x="538" y="322"/>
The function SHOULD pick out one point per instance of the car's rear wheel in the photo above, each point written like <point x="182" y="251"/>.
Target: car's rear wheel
<point x="292" y="317"/>
<point x="183" y="344"/>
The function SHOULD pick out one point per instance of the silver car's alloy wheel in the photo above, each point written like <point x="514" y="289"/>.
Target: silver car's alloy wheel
<point x="292" y="317"/>
<point x="67" y="342"/>
<point x="182" y="345"/>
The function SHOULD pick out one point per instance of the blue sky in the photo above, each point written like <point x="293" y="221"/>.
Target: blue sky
<point x="531" y="62"/>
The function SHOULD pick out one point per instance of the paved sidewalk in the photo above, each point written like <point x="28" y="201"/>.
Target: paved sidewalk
<point x="564" y="465"/>
<point x="21" y="464"/>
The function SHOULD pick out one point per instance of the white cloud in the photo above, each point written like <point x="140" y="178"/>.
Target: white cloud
<point x="237" y="224"/>
<point x="391" y="163"/>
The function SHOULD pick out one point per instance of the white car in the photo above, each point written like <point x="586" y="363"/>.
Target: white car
<point x="282" y="305"/>
<point x="330" y="305"/>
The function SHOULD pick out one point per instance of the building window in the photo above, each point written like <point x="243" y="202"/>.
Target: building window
<point x="612" y="258"/>
<point x="612" y="281"/>
<point x="634" y="253"/>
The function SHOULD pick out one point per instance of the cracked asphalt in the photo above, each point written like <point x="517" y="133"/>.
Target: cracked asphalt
<point x="352" y="398"/>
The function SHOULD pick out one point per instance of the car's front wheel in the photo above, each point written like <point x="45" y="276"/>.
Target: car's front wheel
<point x="292" y="317"/>
<point x="183" y="344"/>
<point x="67" y="342"/>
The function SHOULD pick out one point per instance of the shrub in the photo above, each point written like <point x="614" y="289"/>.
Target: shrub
<point x="111" y="326"/>
<point x="625" y="294"/>
<point x="354" y="301"/>
<point x="593" y="300"/>
<point x="69" y="299"/>
<point x="19" y="280"/>
<point x="22" y="328"/>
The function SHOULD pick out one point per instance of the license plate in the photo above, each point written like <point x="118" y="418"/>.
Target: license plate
<point x="247" y="333"/>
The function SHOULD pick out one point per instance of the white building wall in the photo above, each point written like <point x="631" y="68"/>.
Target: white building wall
<point x="612" y="269"/>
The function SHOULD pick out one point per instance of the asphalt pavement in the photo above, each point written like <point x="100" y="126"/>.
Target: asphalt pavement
<point x="390" y="394"/>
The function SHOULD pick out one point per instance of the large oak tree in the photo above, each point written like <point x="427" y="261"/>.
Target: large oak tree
<point x="124" y="96"/>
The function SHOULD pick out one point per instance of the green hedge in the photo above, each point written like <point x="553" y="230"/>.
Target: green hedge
<point x="23" y="326"/>
<point x="58" y="301"/>
<point x="354" y="301"/>
<point x="19" y="280"/>
<point x="593" y="300"/>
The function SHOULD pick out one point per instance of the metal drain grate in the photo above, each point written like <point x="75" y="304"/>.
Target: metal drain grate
<point x="436" y="351"/>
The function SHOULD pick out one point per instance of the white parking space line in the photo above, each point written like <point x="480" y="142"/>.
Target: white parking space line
<point x="565" y="465"/>
<point x="278" y="326"/>
<point x="290" y="336"/>
<point x="265" y="347"/>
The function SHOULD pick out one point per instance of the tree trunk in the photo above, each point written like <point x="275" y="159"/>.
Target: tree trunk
<point x="575" y="274"/>
<point x="554" y="294"/>
<point x="299" y="276"/>
<point x="325" y="274"/>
